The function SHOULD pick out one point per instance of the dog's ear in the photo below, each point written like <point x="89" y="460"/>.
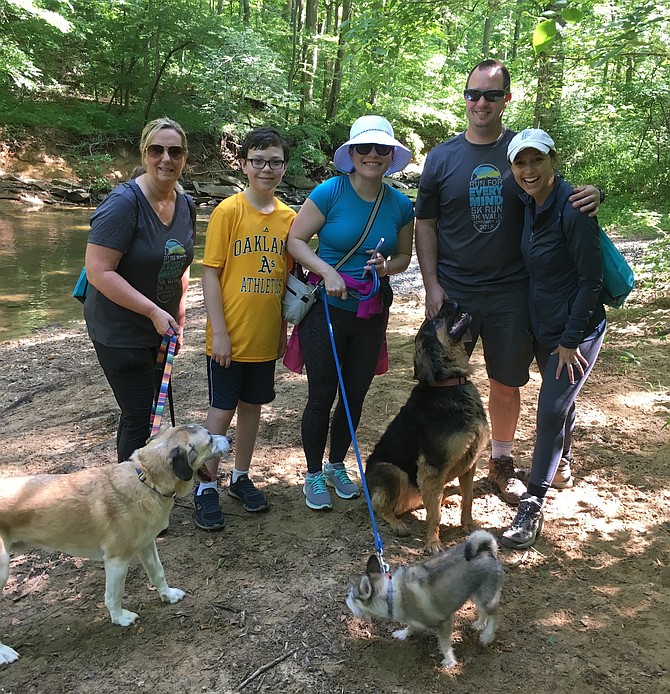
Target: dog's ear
<point x="373" y="566"/>
<point x="179" y="460"/>
<point x="423" y="367"/>
<point x="365" y="588"/>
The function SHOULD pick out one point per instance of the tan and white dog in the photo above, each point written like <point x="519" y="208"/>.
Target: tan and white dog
<point x="113" y="513"/>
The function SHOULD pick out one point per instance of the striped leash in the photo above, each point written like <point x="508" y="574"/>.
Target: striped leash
<point x="165" y="354"/>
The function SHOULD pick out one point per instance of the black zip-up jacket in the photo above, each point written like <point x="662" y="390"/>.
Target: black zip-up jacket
<point x="561" y="248"/>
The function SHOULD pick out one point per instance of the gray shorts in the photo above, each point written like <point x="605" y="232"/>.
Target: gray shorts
<point x="500" y="319"/>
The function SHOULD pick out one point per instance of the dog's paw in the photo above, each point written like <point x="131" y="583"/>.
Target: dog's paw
<point x="433" y="547"/>
<point x="125" y="618"/>
<point x="172" y="595"/>
<point x="400" y="528"/>
<point x="401" y="634"/>
<point x="449" y="660"/>
<point x="7" y="655"/>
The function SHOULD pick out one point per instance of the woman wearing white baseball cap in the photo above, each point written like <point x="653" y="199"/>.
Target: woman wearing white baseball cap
<point x="356" y="211"/>
<point x="561" y="249"/>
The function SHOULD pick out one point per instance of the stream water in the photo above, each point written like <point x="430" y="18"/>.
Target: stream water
<point x="41" y="256"/>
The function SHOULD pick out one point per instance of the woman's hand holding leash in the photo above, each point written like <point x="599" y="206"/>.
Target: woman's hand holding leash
<point x="377" y="260"/>
<point x="162" y="320"/>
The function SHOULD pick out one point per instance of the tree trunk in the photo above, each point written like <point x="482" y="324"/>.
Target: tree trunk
<point x="550" y="87"/>
<point x="334" y="100"/>
<point x="309" y="56"/>
<point x="159" y="74"/>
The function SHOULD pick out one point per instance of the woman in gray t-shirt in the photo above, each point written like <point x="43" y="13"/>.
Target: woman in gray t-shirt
<point x="139" y="250"/>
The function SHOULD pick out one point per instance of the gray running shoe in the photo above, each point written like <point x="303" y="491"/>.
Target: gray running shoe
<point x="527" y="525"/>
<point x="316" y="494"/>
<point x="336" y="476"/>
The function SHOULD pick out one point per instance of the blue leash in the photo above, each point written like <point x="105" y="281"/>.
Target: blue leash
<point x="379" y="547"/>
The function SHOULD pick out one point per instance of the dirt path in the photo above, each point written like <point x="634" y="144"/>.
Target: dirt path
<point x="586" y="610"/>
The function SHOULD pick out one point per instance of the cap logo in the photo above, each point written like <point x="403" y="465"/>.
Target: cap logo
<point x="525" y="134"/>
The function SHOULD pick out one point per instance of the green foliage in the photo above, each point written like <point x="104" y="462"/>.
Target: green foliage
<point x="97" y="68"/>
<point x="310" y="148"/>
<point x="92" y="170"/>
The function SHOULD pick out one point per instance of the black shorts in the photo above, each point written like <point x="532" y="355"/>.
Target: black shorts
<point x="501" y="320"/>
<point x="250" y="382"/>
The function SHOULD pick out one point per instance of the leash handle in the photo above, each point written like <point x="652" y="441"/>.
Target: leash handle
<point x="165" y="354"/>
<point x="379" y="547"/>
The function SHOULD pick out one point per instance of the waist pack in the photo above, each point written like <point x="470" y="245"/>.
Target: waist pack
<point x="298" y="298"/>
<point x="81" y="287"/>
<point x="618" y="278"/>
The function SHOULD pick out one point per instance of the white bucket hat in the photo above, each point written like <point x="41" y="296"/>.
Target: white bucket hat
<point x="372" y="130"/>
<point x="530" y="138"/>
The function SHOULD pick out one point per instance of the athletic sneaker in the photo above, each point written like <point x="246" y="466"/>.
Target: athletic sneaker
<point x="562" y="478"/>
<point x="527" y="525"/>
<point x="316" y="494"/>
<point x="208" y="513"/>
<point x="244" y="489"/>
<point x="336" y="476"/>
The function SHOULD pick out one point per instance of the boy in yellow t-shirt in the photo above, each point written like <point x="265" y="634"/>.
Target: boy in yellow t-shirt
<point x="243" y="275"/>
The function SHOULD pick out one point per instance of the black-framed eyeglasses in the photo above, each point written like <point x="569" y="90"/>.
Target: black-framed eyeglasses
<point x="488" y="94"/>
<point x="382" y="150"/>
<point x="175" y="152"/>
<point x="259" y="163"/>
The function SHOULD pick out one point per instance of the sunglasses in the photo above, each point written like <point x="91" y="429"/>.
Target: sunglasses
<point x="274" y="164"/>
<point x="175" y="152"/>
<point x="488" y="94"/>
<point x="382" y="150"/>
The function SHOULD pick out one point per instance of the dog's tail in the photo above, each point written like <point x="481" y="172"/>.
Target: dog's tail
<point x="480" y="541"/>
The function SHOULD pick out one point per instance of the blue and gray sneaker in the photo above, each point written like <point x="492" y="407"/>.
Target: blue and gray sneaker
<point x="244" y="489"/>
<point x="208" y="513"/>
<point x="336" y="476"/>
<point x="316" y="494"/>
<point x="527" y="525"/>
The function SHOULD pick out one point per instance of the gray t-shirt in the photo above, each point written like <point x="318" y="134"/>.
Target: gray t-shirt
<point x="471" y="191"/>
<point x="155" y="256"/>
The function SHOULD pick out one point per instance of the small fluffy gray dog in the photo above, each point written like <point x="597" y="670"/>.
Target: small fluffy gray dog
<point x="425" y="596"/>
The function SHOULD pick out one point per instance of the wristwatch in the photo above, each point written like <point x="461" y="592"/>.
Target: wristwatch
<point x="602" y="195"/>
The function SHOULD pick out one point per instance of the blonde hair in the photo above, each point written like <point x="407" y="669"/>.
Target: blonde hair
<point x="152" y="128"/>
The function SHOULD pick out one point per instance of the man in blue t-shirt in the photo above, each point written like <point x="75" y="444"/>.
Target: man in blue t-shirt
<point x="468" y="233"/>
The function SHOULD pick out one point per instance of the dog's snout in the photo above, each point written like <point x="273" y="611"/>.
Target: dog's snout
<point x="220" y="445"/>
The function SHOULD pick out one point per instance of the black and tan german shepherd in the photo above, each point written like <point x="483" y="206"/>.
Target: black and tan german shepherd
<point x="437" y="435"/>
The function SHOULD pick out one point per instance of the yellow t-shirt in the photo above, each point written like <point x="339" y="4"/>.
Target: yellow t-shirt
<point x="250" y="248"/>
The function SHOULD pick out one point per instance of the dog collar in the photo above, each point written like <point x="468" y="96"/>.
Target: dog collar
<point x="460" y="381"/>
<point x="143" y="478"/>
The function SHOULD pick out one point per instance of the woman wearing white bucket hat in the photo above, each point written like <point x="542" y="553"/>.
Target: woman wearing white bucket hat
<point x="338" y="211"/>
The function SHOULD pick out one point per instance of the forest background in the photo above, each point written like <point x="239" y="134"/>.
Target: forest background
<point x="82" y="77"/>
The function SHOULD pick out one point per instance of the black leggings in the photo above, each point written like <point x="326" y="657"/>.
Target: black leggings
<point x="132" y="374"/>
<point x="358" y="342"/>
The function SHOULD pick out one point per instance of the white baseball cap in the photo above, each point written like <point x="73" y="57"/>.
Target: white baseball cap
<point x="530" y="138"/>
<point x="372" y="130"/>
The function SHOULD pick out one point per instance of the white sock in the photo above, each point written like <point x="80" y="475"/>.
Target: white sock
<point x="501" y="448"/>
<point x="238" y="473"/>
<point x="205" y="485"/>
